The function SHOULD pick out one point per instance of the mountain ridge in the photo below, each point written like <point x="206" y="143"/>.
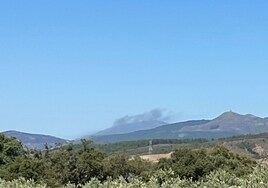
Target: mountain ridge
<point x="35" y="141"/>
<point x="226" y="124"/>
<point x="238" y="123"/>
<point x="131" y="127"/>
<point x="160" y="132"/>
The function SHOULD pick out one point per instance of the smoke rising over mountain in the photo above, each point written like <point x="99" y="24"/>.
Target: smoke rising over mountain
<point x="153" y="115"/>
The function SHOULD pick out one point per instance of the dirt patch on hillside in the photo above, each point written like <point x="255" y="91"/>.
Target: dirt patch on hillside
<point x="260" y="151"/>
<point x="156" y="157"/>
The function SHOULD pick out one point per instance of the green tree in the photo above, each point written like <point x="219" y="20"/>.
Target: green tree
<point x="188" y="163"/>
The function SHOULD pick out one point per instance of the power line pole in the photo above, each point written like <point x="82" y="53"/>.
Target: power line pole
<point x="150" y="147"/>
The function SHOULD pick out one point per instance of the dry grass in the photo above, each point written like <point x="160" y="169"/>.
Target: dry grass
<point x="156" y="157"/>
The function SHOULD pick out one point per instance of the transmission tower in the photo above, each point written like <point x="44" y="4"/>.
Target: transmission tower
<point x="150" y="147"/>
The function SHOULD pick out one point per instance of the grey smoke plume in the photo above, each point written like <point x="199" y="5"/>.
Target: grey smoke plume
<point x="153" y="115"/>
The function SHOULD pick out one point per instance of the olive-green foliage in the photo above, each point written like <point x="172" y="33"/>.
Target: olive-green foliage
<point x="28" y="168"/>
<point x="122" y="165"/>
<point x="10" y="148"/>
<point x="188" y="163"/>
<point x="89" y="163"/>
<point x="55" y="168"/>
<point x="223" y="158"/>
<point x="21" y="183"/>
<point x="219" y="178"/>
<point x="196" y="163"/>
<point x="64" y="166"/>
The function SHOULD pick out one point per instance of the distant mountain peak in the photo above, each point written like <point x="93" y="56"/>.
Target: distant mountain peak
<point x="228" y="115"/>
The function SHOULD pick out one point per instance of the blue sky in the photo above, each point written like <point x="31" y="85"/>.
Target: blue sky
<point x="68" y="68"/>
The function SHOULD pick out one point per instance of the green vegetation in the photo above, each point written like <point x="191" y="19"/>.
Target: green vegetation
<point x="244" y="144"/>
<point x="71" y="166"/>
<point x="164" y="179"/>
<point x="141" y="146"/>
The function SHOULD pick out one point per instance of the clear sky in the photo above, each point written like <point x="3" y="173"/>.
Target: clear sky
<point x="68" y="68"/>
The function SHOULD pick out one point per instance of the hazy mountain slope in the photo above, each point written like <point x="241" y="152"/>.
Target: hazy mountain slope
<point x="37" y="141"/>
<point x="227" y="124"/>
<point x="131" y="127"/>
<point x="168" y="131"/>
<point x="232" y="122"/>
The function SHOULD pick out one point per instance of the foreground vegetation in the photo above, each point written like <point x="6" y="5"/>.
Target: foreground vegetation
<point x="164" y="179"/>
<point x="87" y="167"/>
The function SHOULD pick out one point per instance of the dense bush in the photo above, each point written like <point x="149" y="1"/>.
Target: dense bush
<point x="122" y="165"/>
<point x="196" y="163"/>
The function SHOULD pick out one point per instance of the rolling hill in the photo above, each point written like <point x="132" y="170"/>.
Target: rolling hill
<point x="168" y="131"/>
<point x="131" y="127"/>
<point x="35" y="141"/>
